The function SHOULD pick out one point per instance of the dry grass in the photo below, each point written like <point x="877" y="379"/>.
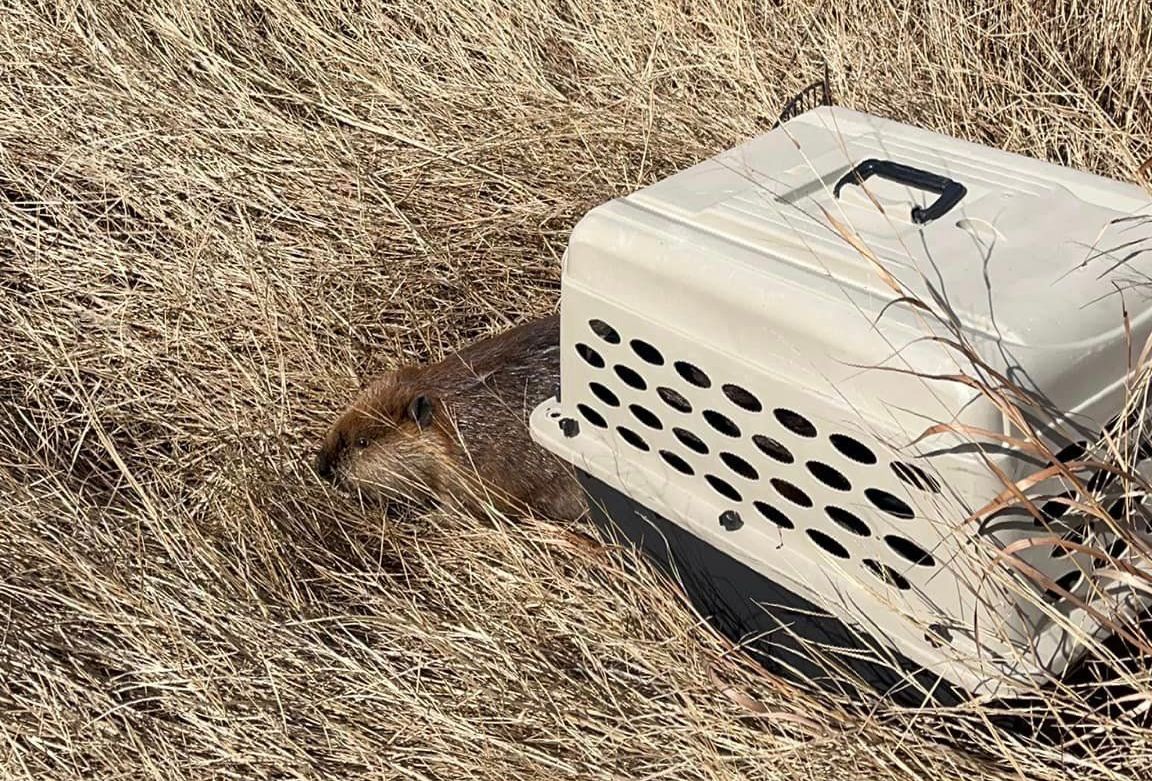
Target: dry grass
<point x="219" y="216"/>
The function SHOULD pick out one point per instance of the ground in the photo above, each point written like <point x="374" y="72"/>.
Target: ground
<point x="217" y="218"/>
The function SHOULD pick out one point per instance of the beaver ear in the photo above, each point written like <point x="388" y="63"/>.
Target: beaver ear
<point x="420" y="410"/>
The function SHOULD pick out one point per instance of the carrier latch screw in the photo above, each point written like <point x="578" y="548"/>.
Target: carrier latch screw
<point x="570" y="427"/>
<point x="731" y="520"/>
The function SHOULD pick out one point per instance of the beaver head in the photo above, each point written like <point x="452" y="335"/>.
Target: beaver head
<point x="391" y="441"/>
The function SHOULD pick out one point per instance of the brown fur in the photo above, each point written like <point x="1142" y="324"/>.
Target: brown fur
<point x="457" y="430"/>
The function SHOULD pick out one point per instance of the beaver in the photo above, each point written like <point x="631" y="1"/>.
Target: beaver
<point x="456" y="431"/>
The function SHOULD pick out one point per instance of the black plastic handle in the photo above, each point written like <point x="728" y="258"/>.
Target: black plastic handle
<point x="950" y="192"/>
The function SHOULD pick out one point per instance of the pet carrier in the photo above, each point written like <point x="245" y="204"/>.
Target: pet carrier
<point x="746" y="376"/>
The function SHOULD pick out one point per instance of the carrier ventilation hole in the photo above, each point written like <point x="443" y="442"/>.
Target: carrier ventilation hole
<point x="646" y="417"/>
<point x="1077" y="536"/>
<point x="590" y="356"/>
<point x="604" y="331"/>
<point x="1068" y="581"/>
<point x="1126" y="506"/>
<point x="1119" y="509"/>
<point x="1117" y="428"/>
<point x="739" y="466"/>
<point x="848" y="521"/>
<point x="910" y="551"/>
<point x="938" y="635"/>
<point x="674" y="399"/>
<point x="774" y="515"/>
<point x="1072" y="452"/>
<point x="677" y="463"/>
<point x="592" y="416"/>
<point x="890" y="504"/>
<point x="1118" y="548"/>
<point x="850" y="448"/>
<point x="791" y="492"/>
<point x="604" y="394"/>
<point x="691" y="441"/>
<point x="742" y="398"/>
<point x="827" y="543"/>
<point x="693" y="374"/>
<point x="721" y="423"/>
<point x="1100" y="480"/>
<point x="630" y="377"/>
<point x="829" y="476"/>
<point x="773" y="449"/>
<point x="915" y="476"/>
<point x="632" y="438"/>
<point x="1054" y="510"/>
<point x="795" y="422"/>
<point x="1114" y="430"/>
<point x="723" y="488"/>
<point x="647" y="352"/>
<point x="887" y="575"/>
<point x="1110" y="424"/>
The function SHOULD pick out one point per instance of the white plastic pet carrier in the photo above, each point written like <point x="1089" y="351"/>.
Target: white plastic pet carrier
<point x="740" y="360"/>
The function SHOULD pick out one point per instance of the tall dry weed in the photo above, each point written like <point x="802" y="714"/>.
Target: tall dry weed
<point x="216" y="218"/>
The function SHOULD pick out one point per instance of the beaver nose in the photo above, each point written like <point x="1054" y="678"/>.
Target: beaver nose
<point x="325" y="467"/>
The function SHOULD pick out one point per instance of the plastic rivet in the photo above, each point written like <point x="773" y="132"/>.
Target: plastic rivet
<point x="731" y="520"/>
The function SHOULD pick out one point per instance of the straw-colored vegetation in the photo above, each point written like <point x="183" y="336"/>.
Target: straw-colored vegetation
<point x="218" y="216"/>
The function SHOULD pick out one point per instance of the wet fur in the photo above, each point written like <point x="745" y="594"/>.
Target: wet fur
<point x="457" y="430"/>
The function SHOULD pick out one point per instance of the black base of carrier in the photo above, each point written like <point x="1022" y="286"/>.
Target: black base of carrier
<point x="795" y="639"/>
<point x="787" y="634"/>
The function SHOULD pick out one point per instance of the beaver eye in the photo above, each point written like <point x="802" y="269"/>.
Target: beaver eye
<point x="362" y="442"/>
